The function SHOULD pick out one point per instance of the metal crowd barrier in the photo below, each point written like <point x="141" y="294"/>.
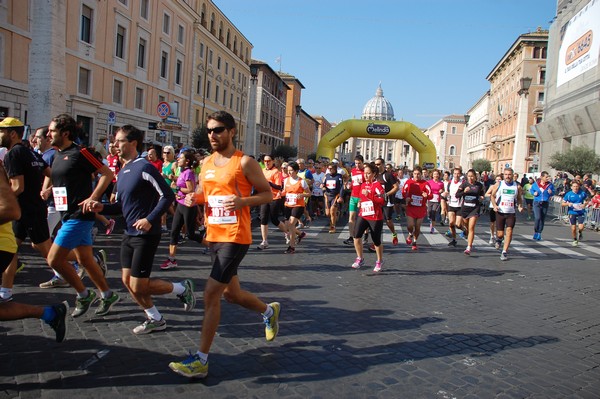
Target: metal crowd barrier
<point x="557" y="211"/>
<point x="592" y="219"/>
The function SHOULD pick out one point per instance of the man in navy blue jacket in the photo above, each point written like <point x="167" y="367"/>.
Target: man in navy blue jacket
<point x="143" y="197"/>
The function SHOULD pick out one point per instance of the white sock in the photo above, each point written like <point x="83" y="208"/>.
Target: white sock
<point x="269" y="312"/>
<point x="153" y="313"/>
<point x="203" y="357"/>
<point x="178" y="289"/>
<point x="5" y="292"/>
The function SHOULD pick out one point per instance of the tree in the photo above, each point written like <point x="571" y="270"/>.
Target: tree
<point x="577" y="161"/>
<point x="481" y="165"/>
<point x="285" y="151"/>
<point x="200" y="138"/>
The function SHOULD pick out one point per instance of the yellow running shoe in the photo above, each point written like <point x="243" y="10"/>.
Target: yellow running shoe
<point x="272" y="323"/>
<point x="191" y="367"/>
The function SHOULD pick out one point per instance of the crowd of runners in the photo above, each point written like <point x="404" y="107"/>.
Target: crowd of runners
<point x="54" y="191"/>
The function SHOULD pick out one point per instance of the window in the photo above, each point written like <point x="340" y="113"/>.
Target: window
<point x="541" y="97"/>
<point x="212" y="23"/>
<point x="161" y="98"/>
<point x="217" y="94"/>
<point x="226" y="67"/>
<point x="120" y="45"/>
<point x="219" y="63"/>
<point x="139" y="98"/>
<point x="178" y="66"/>
<point x="117" y="91"/>
<point x="542" y="77"/>
<point x="208" y="89"/>
<point x="199" y="85"/>
<point x="180" y="34"/>
<point x="164" y="61"/>
<point x="84" y="81"/>
<point x="224" y="96"/>
<point x="452" y="150"/>
<point x="124" y="2"/>
<point x="141" y="62"/>
<point x="166" y="23"/>
<point x="453" y="129"/>
<point x="144" y="9"/>
<point x="86" y="24"/>
<point x="201" y="50"/>
<point x="210" y="54"/>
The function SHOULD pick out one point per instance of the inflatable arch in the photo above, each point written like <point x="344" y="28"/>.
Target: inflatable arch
<point x="374" y="129"/>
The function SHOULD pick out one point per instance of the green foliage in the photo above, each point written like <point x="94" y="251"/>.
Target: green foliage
<point x="577" y="161"/>
<point x="481" y="165"/>
<point x="285" y="151"/>
<point x="200" y="138"/>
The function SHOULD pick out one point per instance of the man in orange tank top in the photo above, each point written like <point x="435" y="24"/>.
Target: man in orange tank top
<point x="227" y="179"/>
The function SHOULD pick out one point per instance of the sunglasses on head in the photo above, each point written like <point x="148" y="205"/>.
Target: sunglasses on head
<point x="217" y="130"/>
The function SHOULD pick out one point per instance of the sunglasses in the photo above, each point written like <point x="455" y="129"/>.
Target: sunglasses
<point x="216" y="130"/>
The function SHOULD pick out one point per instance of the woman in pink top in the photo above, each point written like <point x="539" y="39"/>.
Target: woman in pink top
<point x="433" y="205"/>
<point x="184" y="215"/>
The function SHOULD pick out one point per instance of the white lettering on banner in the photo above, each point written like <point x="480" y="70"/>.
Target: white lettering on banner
<point x="218" y="214"/>
<point x="367" y="208"/>
<point x="60" y="198"/>
<point x="291" y="199"/>
<point x="416" y="200"/>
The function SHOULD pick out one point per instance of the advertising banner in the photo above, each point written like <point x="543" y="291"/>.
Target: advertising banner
<point x="580" y="43"/>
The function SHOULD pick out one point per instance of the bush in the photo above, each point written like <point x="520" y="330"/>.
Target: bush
<point x="481" y="165"/>
<point x="577" y="161"/>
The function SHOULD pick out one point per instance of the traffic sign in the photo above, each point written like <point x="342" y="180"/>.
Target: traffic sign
<point x="163" y="109"/>
<point x="507" y="165"/>
<point x="112" y="117"/>
<point x="171" y="119"/>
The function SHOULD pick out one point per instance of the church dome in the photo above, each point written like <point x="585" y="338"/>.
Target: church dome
<point x="378" y="108"/>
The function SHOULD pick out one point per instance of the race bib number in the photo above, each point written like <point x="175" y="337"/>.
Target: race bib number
<point x="60" y="198"/>
<point x="436" y="198"/>
<point x="416" y="200"/>
<point x="330" y="184"/>
<point x="291" y="199"/>
<point x="578" y="207"/>
<point x="367" y="208"/>
<point x="357" y="180"/>
<point x="510" y="204"/>
<point x="218" y="214"/>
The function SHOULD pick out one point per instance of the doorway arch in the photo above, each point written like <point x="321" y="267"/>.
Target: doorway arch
<point x="373" y="129"/>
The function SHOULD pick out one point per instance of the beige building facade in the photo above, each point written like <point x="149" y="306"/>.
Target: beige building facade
<point x="516" y="102"/>
<point x="116" y="60"/>
<point x="476" y="135"/>
<point x="269" y="108"/>
<point x="447" y="137"/>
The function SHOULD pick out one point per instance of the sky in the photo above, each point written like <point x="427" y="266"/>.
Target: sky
<point x="431" y="57"/>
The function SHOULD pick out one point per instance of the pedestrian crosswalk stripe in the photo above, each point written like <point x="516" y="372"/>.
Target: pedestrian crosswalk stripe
<point x="561" y="250"/>
<point x="525" y="248"/>
<point x="582" y="245"/>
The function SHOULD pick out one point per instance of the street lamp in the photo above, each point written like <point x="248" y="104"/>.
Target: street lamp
<point x="251" y="139"/>
<point x="297" y="129"/>
<point x="525" y="84"/>
<point x="442" y="149"/>
<point x="467" y="118"/>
